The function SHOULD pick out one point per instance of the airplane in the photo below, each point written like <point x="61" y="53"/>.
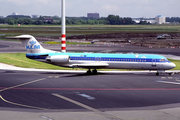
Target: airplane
<point x="94" y="61"/>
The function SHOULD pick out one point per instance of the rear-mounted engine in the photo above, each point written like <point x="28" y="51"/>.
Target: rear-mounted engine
<point x="58" y="58"/>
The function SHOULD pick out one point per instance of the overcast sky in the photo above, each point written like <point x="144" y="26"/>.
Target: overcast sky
<point x="123" y="8"/>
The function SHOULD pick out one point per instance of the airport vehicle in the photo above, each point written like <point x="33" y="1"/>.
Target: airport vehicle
<point x="94" y="60"/>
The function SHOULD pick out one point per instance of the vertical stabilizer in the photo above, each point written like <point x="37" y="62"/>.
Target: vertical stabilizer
<point x="30" y="44"/>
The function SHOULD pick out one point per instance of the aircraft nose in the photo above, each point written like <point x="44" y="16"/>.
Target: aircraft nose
<point x="169" y="65"/>
<point x="172" y="65"/>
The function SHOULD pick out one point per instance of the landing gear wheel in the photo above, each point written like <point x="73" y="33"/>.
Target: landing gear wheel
<point x="171" y="74"/>
<point x="88" y="72"/>
<point x="157" y="74"/>
<point x="94" y="72"/>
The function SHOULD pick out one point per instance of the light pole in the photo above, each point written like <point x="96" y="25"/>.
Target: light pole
<point x="63" y="27"/>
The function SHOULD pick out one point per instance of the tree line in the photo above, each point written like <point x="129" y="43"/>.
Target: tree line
<point x="173" y="19"/>
<point x="26" y="21"/>
<point x="45" y="20"/>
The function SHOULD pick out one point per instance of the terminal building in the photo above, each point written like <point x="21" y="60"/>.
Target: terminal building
<point x="35" y="16"/>
<point x="15" y="13"/>
<point x="160" y="19"/>
<point x="93" y="15"/>
<point x="148" y="20"/>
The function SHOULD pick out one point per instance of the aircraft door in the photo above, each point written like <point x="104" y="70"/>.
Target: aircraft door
<point x="154" y="62"/>
<point x="98" y="59"/>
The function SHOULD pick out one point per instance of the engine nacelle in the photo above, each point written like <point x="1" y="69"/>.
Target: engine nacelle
<point x="58" y="58"/>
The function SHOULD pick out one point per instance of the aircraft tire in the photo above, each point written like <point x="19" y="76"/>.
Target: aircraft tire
<point x="94" y="72"/>
<point x="171" y="74"/>
<point x="89" y="72"/>
<point x="157" y="74"/>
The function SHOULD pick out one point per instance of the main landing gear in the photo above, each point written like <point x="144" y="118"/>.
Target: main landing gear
<point x="157" y="74"/>
<point x="163" y="72"/>
<point x="93" y="72"/>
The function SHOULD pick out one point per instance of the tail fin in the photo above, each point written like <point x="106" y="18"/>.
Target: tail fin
<point x="30" y="44"/>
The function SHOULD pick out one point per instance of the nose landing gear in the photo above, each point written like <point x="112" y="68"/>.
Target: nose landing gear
<point x="164" y="72"/>
<point x="157" y="74"/>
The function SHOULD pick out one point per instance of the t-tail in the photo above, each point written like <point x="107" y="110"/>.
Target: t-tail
<point x="31" y="44"/>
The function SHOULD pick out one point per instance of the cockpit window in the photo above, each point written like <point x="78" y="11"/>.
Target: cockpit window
<point x="163" y="60"/>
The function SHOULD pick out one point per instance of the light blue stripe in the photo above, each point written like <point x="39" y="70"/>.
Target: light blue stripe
<point x="148" y="56"/>
<point x="104" y="57"/>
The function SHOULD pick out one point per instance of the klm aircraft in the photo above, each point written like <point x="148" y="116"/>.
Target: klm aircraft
<point x="94" y="61"/>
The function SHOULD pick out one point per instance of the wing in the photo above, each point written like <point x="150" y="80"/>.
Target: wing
<point x="90" y="65"/>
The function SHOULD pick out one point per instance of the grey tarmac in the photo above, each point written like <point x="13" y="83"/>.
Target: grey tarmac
<point x="55" y="96"/>
<point x="46" y="95"/>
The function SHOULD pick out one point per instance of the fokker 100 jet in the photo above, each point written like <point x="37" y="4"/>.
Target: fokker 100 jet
<point x="94" y="61"/>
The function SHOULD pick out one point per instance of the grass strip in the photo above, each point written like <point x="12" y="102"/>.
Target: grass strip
<point x="177" y="62"/>
<point x="20" y="60"/>
<point x="54" y="30"/>
<point x="68" y="43"/>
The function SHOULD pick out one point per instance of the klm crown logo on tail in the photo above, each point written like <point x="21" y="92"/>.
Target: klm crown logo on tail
<point x="32" y="42"/>
<point x="32" y="45"/>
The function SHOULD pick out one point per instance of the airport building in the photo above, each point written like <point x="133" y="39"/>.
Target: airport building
<point x="93" y="15"/>
<point x="15" y="13"/>
<point x="148" y="20"/>
<point x="160" y="19"/>
<point x="35" y="16"/>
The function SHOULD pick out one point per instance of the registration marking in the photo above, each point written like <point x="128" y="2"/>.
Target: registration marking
<point x="175" y="83"/>
<point x="22" y="84"/>
<point x="17" y="104"/>
<point x="87" y="107"/>
<point x="56" y="76"/>
<point x="86" y="96"/>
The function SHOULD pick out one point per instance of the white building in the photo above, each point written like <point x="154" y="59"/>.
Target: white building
<point x="15" y="13"/>
<point x="148" y="20"/>
<point x="160" y="19"/>
<point x="35" y="16"/>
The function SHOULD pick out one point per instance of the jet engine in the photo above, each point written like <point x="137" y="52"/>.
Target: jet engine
<point x="58" y="58"/>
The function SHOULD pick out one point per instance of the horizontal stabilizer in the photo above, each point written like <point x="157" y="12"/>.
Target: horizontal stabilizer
<point x="30" y="43"/>
<point x="20" y="37"/>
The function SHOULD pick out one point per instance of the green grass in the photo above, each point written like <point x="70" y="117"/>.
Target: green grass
<point x="20" y="60"/>
<point x="55" y="30"/>
<point x="177" y="62"/>
<point x="68" y="43"/>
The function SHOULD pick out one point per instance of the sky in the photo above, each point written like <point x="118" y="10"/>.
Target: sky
<point x="79" y="8"/>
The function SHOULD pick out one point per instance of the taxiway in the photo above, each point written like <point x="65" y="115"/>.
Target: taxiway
<point x="11" y="46"/>
<point x="74" y="95"/>
<point x="79" y="93"/>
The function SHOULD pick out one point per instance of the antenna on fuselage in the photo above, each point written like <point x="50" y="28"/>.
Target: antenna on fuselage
<point x="63" y="27"/>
